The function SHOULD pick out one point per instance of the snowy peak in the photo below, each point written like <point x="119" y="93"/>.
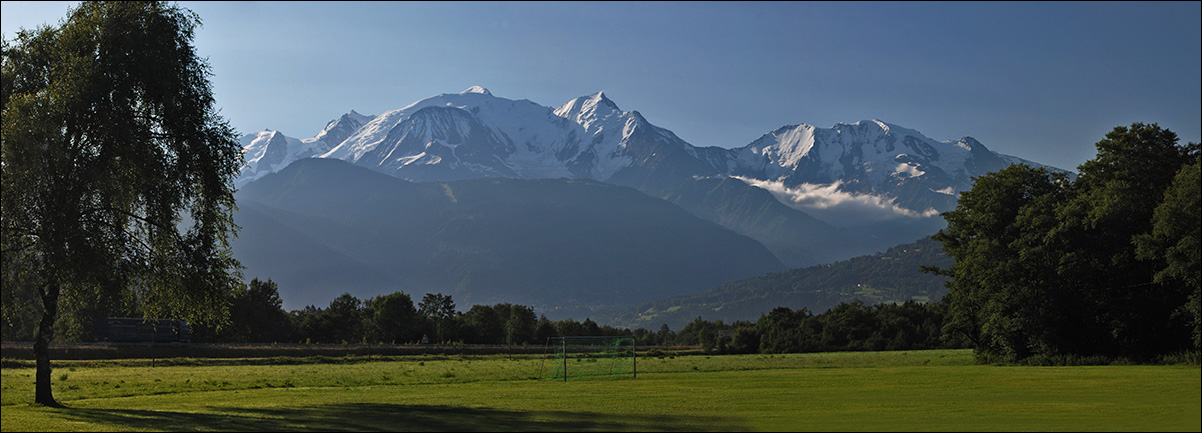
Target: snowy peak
<point x="339" y="129"/>
<point x="586" y="137"/>
<point x="276" y="146"/>
<point x="876" y="127"/>
<point x="588" y="110"/>
<point x="599" y="98"/>
<point x="264" y="146"/>
<point x="902" y="170"/>
<point x="858" y="147"/>
<point x="476" y="89"/>
<point x="476" y="134"/>
<point x="359" y="118"/>
<point x="266" y="152"/>
<point x="448" y="125"/>
<point x="439" y="143"/>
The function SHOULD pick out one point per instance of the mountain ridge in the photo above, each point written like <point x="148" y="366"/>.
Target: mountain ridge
<point x="848" y="190"/>
<point x="891" y="276"/>
<point x="590" y="137"/>
<point x="542" y="242"/>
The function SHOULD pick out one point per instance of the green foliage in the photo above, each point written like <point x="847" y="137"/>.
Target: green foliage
<point x="19" y="301"/>
<point x="393" y="318"/>
<point x="343" y="320"/>
<point x="260" y="307"/>
<point x="117" y="171"/>
<point x="702" y="333"/>
<point x="744" y="340"/>
<point x="854" y="326"/>
<point x="483" y="324"/>
<point x="440" y="310"/>
<point x="1049" y="267"/>
<point x="1003" y="293"/>
<point x="1176" y="237"/>
<point x="520" y="326"/>
<point x="786" y="331"/>
<point x="543" y="329"/>
<point x="1113" y="205"/>
<point x="848" y="326"/>
<point x="256" y="316"/>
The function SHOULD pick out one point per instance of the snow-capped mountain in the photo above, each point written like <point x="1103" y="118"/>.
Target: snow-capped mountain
<point x="897" y="165"/>
<point x="794" y="197"/>
<point x="339" y="129"/>
<point x="474" y="134"/>
<point x="269" y="151"/>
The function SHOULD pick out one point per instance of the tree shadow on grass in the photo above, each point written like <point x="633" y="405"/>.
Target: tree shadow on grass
<point x="392" y="417"/>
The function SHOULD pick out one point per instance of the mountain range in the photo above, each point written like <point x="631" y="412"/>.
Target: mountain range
<point x="808" y="195"/>
<point x="321" y="227"/>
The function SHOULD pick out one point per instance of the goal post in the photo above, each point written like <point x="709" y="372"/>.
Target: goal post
<point x="591" y="357"/>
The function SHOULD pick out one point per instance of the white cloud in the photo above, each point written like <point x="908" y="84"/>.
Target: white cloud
<point x="829" y="203"/>
<point x="949" y="191"/>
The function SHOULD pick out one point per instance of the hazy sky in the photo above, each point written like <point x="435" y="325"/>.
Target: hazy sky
<point x="1039" y="80"/>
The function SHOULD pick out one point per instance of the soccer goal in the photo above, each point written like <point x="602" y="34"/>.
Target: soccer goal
<point x="591" y="357"/>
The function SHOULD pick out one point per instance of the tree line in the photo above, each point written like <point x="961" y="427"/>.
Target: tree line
<point x="849" y="326"/>
<point x="1104" y="266"/>
<point x="256" y="315"/>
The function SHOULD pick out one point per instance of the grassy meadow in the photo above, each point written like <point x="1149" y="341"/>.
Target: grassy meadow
<point x="919" y="390"/>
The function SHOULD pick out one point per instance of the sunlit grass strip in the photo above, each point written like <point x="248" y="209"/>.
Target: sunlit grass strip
<point x="936" y="390"/>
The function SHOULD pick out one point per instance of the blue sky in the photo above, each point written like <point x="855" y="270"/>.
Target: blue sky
<point x="1038" y="80"/>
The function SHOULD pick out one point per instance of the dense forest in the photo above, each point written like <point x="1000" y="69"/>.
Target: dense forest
<point x="1104" y="266"/>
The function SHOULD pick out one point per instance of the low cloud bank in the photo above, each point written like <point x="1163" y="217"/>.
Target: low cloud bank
<point x="834" y="206"/>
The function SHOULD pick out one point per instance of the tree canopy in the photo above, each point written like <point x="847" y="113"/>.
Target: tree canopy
<point x="1052" y="267"/>
<point x="117" y="170"/>
<point x="1174" y="244"/>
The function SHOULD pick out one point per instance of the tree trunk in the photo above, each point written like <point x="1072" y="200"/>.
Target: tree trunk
<point x="41" y="346"/>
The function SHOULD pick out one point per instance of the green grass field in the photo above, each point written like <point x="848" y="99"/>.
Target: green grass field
<point x="924" y="390"/>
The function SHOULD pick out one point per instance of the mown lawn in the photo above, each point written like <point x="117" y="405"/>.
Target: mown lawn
<point x="926" y="390"/>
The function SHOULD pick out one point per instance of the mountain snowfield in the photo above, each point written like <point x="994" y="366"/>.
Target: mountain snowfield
<point x="269" y="151"/>
<point x="868" y="170"/>
<point x="865" y="171"/>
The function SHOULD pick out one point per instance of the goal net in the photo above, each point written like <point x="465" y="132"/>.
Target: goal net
<point x="591" y="357"/>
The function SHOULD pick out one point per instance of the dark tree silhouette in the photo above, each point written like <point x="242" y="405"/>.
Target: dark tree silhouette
<point x="1052" y="267"/>
<point x="117" y="171"/>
